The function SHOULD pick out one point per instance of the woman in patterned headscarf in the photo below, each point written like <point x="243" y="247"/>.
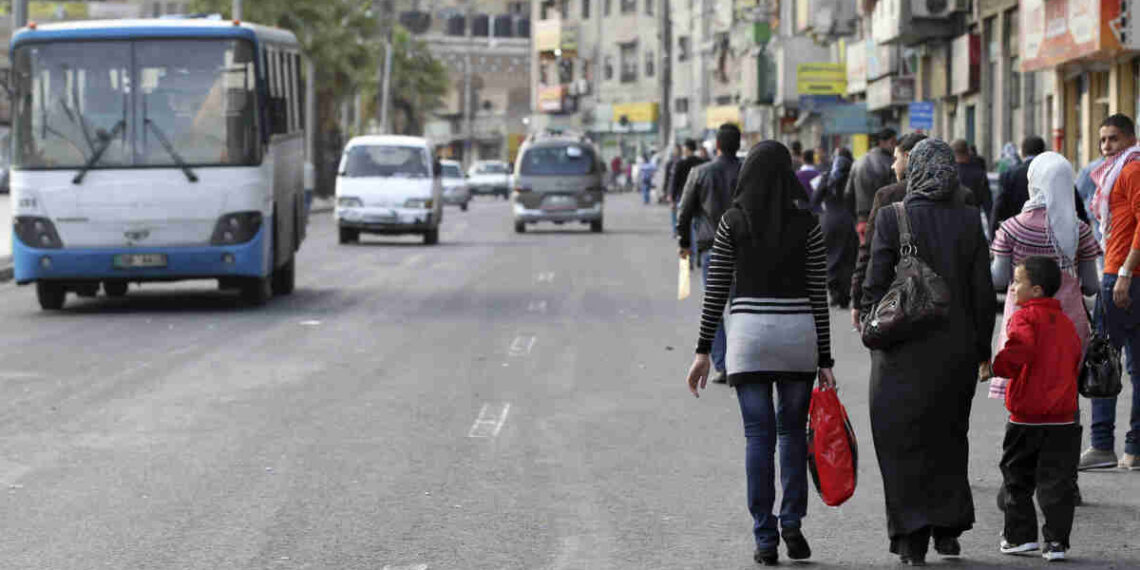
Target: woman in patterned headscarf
<point x="922" y="388"/>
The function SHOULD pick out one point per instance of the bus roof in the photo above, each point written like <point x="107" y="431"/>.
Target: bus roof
<point x="152" y="28"/>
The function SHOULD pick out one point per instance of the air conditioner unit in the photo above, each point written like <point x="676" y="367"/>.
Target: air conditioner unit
<point x="583" y="87"/>
<point x="934" y="9"/>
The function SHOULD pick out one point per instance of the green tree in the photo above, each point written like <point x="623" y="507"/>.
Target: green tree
<point x="343" y="40"/>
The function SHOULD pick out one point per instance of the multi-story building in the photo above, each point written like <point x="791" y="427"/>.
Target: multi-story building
<point x="485" y="45"/>
<point x="595" y="69"/>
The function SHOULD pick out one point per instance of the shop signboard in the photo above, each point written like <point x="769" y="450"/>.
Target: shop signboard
<point x="719" y="115"/>
<point x="849" y="119"/>
<point x="821" y="79"/>
<point x="551" y="98"/>
<point x="635" y="112"/>
<point x="1054" y="32"/>
<point x="547" y="35"/>
<point x="922" y="115"/>
<point x="857" y="66"/>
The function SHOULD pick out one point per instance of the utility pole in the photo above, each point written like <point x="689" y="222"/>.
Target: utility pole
<point x="384" y="14"/>
<point x="19" y="14"/>
<point x="468" y="112"/>
<point x="237" y="9"/>
<point x="665" y="113"/>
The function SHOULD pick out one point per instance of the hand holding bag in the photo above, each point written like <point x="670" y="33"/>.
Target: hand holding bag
<point x="833" y="452"/>
<point x="1100" y="368"/>
<point x="917" y="300"/>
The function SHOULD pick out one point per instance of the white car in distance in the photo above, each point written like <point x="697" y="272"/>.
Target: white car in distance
<point x="456" y="191"/>
<point x="490" y="177"/>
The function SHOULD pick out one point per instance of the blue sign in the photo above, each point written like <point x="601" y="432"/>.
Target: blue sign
<point x="922" y="115"/>
<point x="850" y="119"/>
<point x="817" y="102"/>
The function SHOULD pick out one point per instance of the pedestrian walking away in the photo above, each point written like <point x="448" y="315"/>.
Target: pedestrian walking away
<point x="869" y="174"/>
<point x="806" y="173"/>
<point x="920" y="428"/>
<point x="708" y="193"/>
<point x="1015" y="184"/>
<point x="1009" y="158"/>
<point x="680" y="175"/>
<point x="1117" y="207"/>
<point x="883" y="198"/>
<point x="1042" y="356"/>
<point x="768" y="267"/>
<point x="838" y="222"/>
<point x="973" y="176"/>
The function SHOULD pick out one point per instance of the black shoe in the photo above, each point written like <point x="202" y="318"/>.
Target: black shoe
<point x="720" y="378"/>
<point x="766" y="556"/>
<point x="796" y="544"/>
<point x="947" y="546"/>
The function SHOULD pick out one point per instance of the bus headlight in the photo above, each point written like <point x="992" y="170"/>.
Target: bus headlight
<point x="37" y="232"/>
<point x="235" y="228"/>
<point x="418" y="203"/>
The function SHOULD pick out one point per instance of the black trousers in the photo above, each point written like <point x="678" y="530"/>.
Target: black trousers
<point x="1042" y="459"/>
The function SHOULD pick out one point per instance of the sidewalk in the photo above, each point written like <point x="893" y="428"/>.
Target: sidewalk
<point x="5" y="238"/>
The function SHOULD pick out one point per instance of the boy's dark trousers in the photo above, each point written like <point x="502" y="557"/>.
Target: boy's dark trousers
<point x="1041" y="458"/>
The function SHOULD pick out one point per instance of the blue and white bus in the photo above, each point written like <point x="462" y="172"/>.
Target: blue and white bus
<point x="156" y="150"/>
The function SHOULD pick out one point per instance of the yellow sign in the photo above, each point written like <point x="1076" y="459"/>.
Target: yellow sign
<point x="717" y="116"/>
<point x="636" y="112"/>
<point x="860" y="144"/>
<point x="553" y="35"/>
<point x="821" y="79"/>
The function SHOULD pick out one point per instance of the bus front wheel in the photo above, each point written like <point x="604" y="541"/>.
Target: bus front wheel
<point x="285" y="278"/>
<point x="257" y="290"/>
<point x="50" y="295"/>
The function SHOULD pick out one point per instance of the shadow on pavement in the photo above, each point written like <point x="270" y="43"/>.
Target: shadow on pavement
<point x="173" y="301"/>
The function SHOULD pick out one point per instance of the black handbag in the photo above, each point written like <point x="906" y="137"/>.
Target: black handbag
<point x="917" y="301"/>
<point x="1100" y="369"/>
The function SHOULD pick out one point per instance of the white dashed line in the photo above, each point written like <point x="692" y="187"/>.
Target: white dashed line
<point x="412" y="260"/>
<point x="545" y="277"/>
<point x="522" y="345"/>
<point x="406" y="567"/>
<point x="490" y="421"/>
<point x="536" y="307"/>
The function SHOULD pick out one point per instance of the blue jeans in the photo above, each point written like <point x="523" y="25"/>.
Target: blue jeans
<point x="764" y="423"/>
<point x="720" y="343"/>
<point x="645" y="187"/>
<point x="1124" y="331"/>
<point x="673" y="219"/>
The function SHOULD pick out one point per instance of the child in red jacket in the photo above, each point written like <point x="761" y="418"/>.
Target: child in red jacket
<point x="1042" y="358"/>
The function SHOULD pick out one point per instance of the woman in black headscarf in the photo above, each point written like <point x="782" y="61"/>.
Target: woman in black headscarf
<point x="838" y="223"/>
<point x="922" y="388"/>
<point x="769" y="254"/>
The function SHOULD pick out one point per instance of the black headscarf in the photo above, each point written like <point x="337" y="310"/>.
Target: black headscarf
<point x="930" y="171"/>
<point x="766" y="193"/>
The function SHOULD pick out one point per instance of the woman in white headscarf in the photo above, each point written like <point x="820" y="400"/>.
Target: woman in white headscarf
<point x="1048" y="226"/>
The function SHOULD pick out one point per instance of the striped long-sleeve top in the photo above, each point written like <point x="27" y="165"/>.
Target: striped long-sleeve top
<point x="778" y="316"/>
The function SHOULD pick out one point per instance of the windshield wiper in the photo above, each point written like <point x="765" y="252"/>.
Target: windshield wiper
<point x="173" y="153"/>
<point x="105" y="141"/>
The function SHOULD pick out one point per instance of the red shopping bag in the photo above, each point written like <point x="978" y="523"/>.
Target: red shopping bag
<point x="833" y="452"/>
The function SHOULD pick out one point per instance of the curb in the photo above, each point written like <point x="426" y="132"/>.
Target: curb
<point x="5" y="269"/>
<point x="320" y="206"/>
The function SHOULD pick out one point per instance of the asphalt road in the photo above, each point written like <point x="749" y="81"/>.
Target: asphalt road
<point x="497" y="401"/>
<point x="5" y="222"/>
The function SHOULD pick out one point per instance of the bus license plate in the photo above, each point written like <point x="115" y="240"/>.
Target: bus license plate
<point x="135" y="260"/>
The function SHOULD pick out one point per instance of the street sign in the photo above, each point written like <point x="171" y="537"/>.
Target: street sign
<point x="922" y="115"/>
<point x="821" y="79"/>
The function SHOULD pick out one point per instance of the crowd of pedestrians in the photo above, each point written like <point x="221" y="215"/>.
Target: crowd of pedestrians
<point x="780" y="236"/>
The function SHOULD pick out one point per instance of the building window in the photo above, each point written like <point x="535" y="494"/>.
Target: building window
<point x="682" y="105"/>
<point x="628" y="6"/>
<point x="156" y="10"/>
<point x="564" y="9"/>
<point x="609" y="67"/>
<point x="684" y="45"/>
<point x="606" y="7"/>
<point x="650" y="64"/>
<point x="585" y="9"/>
<point x="649" y="6"/>
<point x="587" y="70"/>
<point x="628" y="62"/>
<point x="565" y="71"/>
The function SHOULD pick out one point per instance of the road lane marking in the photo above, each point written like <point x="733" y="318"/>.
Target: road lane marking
<point x="412" y="260"/>
<point x="536" y="307"/>
<point x="490" y="421"/>
<point x="406" y="567"/>
<point x="545" y="277"/>
<point x="522" y="345"/>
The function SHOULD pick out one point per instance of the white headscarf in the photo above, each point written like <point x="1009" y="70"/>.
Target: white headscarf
<point x="1051" y="184"/>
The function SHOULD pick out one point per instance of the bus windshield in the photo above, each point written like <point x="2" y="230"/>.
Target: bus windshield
<point x="148" y="102"/>
<point x="385" y="162"/>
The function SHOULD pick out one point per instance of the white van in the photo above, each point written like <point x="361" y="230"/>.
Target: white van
<point x="388" y="185"/>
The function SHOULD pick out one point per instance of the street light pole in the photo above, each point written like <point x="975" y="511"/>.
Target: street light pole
<point x="468" y="112"/>
<point x="237" y="9"/>
<point x="19" y="14"/>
